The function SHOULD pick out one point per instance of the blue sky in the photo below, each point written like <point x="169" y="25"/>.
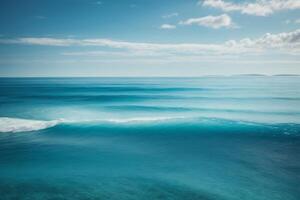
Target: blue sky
<point x="149" y="37"/>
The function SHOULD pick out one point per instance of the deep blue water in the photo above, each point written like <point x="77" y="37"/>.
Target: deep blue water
<point x="150" y="138"/>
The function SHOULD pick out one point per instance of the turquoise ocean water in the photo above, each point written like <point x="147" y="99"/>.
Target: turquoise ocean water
<point x="150" y="138"/>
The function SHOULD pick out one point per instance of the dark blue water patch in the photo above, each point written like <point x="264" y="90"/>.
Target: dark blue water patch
<point x="24" y="94"/>
<point x="11" y="89"/>
<point x="203" y="159"/>
<point x="88" y="99"/>
<point x="121" y="188"/>
<point x="217" y="159"/>
<point x="143" y="109"/>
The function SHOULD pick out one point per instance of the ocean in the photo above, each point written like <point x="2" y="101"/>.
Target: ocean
<point x="206" y="138"/>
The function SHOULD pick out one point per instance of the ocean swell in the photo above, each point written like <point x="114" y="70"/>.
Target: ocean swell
<point x="15" y="125"/>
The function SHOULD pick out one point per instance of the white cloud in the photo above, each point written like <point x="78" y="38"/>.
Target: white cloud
<point x="167" y="26"/>
<point x="282" y="43"/>
<point x="210" y="21"/>
<point x="170" y="15"/>
<point x="297" y="21"/>
<point x="286" y="42"/>
<point x="258" y="7"/>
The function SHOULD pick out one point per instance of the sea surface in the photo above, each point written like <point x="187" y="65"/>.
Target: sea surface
<point x="208" y="138"/>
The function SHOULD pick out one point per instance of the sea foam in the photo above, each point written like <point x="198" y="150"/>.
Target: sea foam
<point x="15" y="125"/>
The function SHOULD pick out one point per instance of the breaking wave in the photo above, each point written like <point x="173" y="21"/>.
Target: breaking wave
<point x="15" y="125"/>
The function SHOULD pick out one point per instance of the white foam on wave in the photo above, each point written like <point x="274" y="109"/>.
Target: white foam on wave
<point x="15" y="125"/>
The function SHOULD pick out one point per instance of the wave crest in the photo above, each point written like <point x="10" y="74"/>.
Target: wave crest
<point x="143" y="119"/>
<point x="14" y="125"/>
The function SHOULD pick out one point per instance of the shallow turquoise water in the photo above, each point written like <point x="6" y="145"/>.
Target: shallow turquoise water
<point x="150" y="138"/>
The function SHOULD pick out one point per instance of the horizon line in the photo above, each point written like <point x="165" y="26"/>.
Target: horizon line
<point x="212" y="75"/>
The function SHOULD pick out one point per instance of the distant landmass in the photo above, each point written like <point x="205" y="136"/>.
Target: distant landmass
<point x="267" y="75"/>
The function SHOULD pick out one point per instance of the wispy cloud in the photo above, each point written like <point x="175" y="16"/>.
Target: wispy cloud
<point x="119" y="53"/>
<point x="210" y="21"/>
<point x="44" y="41"/>
<point x="283" y="43"/>
<point x="167" y="26"/>
<point x="175" y="14"/>
<point x="289" y="21"/>
<point x="258" y="8"/>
